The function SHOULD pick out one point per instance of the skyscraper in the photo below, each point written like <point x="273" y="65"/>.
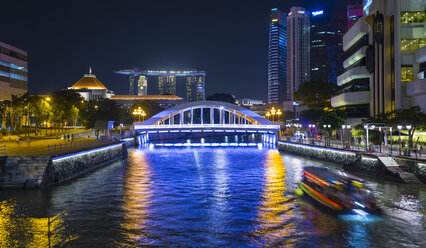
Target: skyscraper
<point x="167" y="85"/>
<point x="195" y="88"/>
<point x="142" y="85"/>
<point x="13" y="71"/>
<point x="327" y="30"/>
<point x="277" y="57"/>
<point x="298" y="54"/>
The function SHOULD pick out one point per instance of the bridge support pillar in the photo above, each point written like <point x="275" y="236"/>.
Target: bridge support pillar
<point x="202" y="116"/>
<point x="192" y="116"/>
<point x="211" y="115"/>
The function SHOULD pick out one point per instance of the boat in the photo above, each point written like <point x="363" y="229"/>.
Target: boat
<point x="338" y="191"/>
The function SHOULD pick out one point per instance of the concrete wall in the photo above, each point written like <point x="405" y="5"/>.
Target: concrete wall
<point x="43" y="171"/>
<point x="350" y="160"/>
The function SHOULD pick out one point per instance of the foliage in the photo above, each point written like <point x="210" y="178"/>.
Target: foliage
<point x="149" y="107"/>
<point x="66" y="105"/>
<point x="315" y="94"/>
<point x="311" y="115"/>
<point x="221" y="97"/>
<point x="333" y="118"/>
<point x="105" y="110"/>
<point x="287" y="115"/>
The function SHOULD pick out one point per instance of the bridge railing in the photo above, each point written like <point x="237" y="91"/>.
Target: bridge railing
<point x="243" y="126"/>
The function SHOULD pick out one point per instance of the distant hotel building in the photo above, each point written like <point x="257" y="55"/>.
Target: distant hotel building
<point x="327" y="30"/>
<point x="298" y="54"/>
<point x="277" y="58"/>
<point x="13" y="71"/>
<point x="195" y="82"/>
<point x="385" y="60"/>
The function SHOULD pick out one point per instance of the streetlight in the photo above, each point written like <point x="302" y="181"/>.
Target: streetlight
<point x="408" y="138"/>
<point x="343" y="134"/>
<point x="139" y="112"/>
<point x="273" y="111"/>
<point x="325" y="128"/>
<point x="268" y="115"/>
<point x="278" y="114"/>
<point x="312" y="126"/>
<point x="399" y="140"/>
<point x="366" y="143"/>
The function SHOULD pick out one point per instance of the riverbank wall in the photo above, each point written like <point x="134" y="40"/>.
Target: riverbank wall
<point x="44" y="171"/>
<point x="354" y="161"/>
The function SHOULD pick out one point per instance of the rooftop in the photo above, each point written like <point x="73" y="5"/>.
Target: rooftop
<point x="146" y="97"/>
<point x="88" y="81"/>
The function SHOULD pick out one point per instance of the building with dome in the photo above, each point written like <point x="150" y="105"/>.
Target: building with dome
<point x="90" y="88"/>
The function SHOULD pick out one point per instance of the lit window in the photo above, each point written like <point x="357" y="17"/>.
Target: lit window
<point x="412" y="44"/>
<point x="413" y="16"/>
<point x="406" y="73"/>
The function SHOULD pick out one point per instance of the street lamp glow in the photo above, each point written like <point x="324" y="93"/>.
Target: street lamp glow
<point x="399" y="127"/>
<point x="409" y="127"/>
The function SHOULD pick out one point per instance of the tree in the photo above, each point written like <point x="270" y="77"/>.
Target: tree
<point x="105" y="110"/>
<point x="150" y="108"/>
<point x="412" y="116"/>
<point x="222" y="97"/>
<point x="315" y="94"/>
<point x="333" y="118"/>
<point x="64" y="104"/>
<point x="311" y="115"/>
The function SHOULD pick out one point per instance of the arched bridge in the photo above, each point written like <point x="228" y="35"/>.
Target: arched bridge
<point x="205" y="119"/>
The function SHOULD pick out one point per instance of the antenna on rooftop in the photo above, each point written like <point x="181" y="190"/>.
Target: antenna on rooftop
<point x="90" y="70"/>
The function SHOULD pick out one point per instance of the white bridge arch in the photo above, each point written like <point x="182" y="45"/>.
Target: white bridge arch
<point x="206" y="117"/>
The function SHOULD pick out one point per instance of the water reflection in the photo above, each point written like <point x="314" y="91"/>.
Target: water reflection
<point x="136" y="200"/>
<point x="18" y="230"/>
<point x="274" y="225"/>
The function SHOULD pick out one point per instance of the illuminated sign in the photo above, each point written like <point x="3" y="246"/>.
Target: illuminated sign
<point x="274" y="9"/>
<point x="301" y="12"/>
<point x="367" y="4"/>
<point x="318" y="12"/>
<point x="274" y="20"/>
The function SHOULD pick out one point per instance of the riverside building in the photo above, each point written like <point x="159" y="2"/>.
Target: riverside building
<point x="277" y="58"/>
<point x="298" y="55"/>
<point x="385" y="59"/>
<point x="13" y="71"/>
<point x="90" y="88"/>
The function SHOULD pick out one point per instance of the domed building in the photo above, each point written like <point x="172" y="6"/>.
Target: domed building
<point x="90" y="88"/>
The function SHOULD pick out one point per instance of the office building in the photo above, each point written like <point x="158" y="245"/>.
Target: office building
<point x="298" y="54"/>
<point x="354" y="12"/>
<point x="277" y="58"/>
<point x="385" y="60"/>
<point x="327" y="30"/>
<point x="90" y="88"/>
<point x="13" y="71"/>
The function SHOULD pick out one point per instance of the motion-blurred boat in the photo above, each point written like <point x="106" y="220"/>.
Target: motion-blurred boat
<point x="338" y="191"/>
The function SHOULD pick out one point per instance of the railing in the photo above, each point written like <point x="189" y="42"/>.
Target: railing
<point x="3" y="150"/>
<point x="166" y="126"/>
<point x="62" y="149"/>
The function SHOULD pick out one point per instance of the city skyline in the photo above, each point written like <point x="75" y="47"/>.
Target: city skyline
<point x="56" y="42"/>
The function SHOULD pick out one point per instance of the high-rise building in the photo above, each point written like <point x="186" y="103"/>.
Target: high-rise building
<point x="298" y="54"/>
<point x="277" y="58"/>
<point x="385" y="60"/>
<point x="327" y="30"/>
<point x="13" y="71"/>
<point x="167" y="85"/>
<point x="142" y="86"/>
<point x="354" y="12"/>
<point x="195" y="88"/>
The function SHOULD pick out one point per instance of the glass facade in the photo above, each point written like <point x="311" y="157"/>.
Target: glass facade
<point x="277" y="57"/>
<point x="327" y="54"/>
<point x="413" y="16"/>
<point x="412" y="44"/>
<point x="406" y="73"/>
<point x="167" y="85"/>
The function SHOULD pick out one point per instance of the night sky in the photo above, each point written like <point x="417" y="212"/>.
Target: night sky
<point x="227" y="39"/>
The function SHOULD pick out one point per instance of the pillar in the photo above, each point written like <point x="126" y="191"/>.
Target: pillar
<point x="202" y="116"/>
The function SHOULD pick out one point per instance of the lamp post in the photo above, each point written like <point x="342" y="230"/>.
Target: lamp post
<point x="399" y="139"/>
<point x="409" y="126"/>
<point x="268" y="115"/>
<point x="139" y="112"/>
<point x="273" y="111"/>
<point x="343" y="134"/>
<point x="366" y="137"/>
<point x="278" y="114"/>
<point x="390" y="129"/>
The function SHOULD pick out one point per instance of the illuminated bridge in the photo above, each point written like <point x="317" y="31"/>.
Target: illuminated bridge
<point x="204" y="120"/>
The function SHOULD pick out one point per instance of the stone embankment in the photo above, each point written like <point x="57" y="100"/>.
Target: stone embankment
<point x="43" y="171"/>
<point x="357" y="162"/>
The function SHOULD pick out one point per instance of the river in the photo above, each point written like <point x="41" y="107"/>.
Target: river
<point x="203" y="197"/>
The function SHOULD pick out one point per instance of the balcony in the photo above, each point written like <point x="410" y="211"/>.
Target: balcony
<point x="356" y="32"/>
<point x="355" y="57"/>
<point x="350" y="98"/>
<point x="351" y="74"/>
<point x="416" y="87"/>
<point x="421" y="55"/>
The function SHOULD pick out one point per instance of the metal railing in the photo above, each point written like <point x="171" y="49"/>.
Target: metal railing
<point x="62" y="149"/>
